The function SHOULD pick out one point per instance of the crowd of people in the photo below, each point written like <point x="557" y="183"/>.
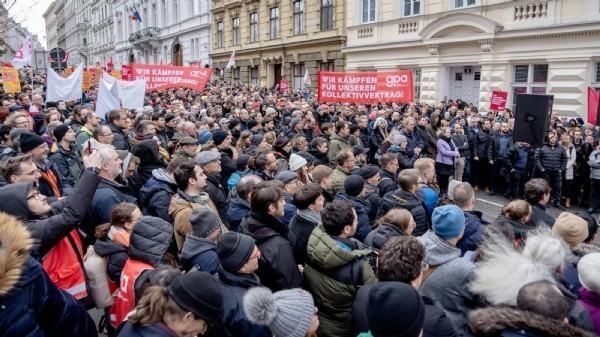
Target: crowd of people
<point x="242" y="211"/>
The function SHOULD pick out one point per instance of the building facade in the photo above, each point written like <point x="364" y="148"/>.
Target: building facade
<point x="16" y="34"/>
<point x="102" y="32"/>
<point x="468" y="48"/>
<point x="51" y="28"/>
<point x="277" y="39"/>
<point x="171" y="31"/>
<point x="77" y="26"/>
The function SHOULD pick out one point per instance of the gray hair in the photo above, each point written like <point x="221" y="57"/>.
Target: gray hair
<point x="105" y="151"/>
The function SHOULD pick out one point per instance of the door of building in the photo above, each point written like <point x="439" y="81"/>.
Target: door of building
<point x="277" y="73"/>
<point x="464" y="83"/>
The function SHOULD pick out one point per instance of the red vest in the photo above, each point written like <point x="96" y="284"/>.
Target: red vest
<point x="125" y="301"/>
<point x="63" y="267"/>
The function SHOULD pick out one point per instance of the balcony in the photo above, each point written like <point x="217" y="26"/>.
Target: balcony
<point x="147" y="38"/>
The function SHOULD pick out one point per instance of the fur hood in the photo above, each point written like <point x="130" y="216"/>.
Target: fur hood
<point x="493" y="320"/>
<point x="15" y="245"/>
<point x="584" y="249"/>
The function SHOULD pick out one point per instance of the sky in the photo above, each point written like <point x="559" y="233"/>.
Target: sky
<point x="29" y="14"/>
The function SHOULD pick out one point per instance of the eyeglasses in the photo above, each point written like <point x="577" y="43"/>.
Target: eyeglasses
<point x="36" y="195"/>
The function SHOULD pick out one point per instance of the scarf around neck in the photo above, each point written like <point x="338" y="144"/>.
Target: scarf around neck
<point x="310" y="215"/>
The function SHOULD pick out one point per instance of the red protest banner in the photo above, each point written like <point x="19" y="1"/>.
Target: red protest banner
<point x="366" y="87"/>
<point x="163" y="76"/>
<point x="498" y="101"/>
<point x="284" y="85"/>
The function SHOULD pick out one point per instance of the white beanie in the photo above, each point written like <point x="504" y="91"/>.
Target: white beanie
<point x="589" y="272"/>
<point x="297" y="162"/>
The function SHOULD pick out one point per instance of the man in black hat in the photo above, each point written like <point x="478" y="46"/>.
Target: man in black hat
<point x="235" y="128"/>
<point x="170" y="125"/>
<point x="68" y="157"/>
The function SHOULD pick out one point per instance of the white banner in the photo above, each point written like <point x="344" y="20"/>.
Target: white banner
<point x="65" y="89"/>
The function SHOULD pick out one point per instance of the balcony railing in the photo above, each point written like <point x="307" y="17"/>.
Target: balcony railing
<point x="149" y="32"/>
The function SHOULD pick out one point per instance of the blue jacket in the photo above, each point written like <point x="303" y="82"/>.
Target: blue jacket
<point x="474" y="232"/>
<point x="155" y="196"/>
<point x="107" y="196"/>
<point x="362" y="208"/>
<point x="200" y="253"/>
<point x="289" y="210"/>
<point x="238" y="209"/>
<point x="233" y="288"/>
<point x="429" y="197"/>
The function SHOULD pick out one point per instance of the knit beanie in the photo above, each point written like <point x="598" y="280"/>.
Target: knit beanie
<point x="204" y="222"/>
<point x="198" y="292"/>
<point x="295" y="122"/>
<point x="395" y="309"/>
<point x="310" y="159"/>
<point x="252" y="123"/>
<point x="287" y="313"/>
<point x="169" y="117"/>
<point x="368" y="171"/>
<point x="571" y="228"/>
<point x="588" y="268"/>
<point x="353" y="185"/>
<point x="29" y="141"/>
<point x="281" y="141"/>
<point x="353" y="128"/>
<point x="257" y="139"/>
<point x="219" y="136"/>
<point x="297" y="162"/>
<point x="448" y="221"/>
<point x="234" y="249"/>
<point x="233" y="124"/>
<point x="60" y="131"/>
<point x="204" y="136"/>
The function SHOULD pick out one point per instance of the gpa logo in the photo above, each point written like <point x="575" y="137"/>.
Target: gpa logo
<point x="393" y="81"/>
<point x="198" y="73"/>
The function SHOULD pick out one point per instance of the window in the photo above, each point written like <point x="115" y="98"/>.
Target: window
<point x="298" y="17"/>
<point x="596" y="81"/>
<point x="154" y="17"/>
<point x="163" y="7"/>
<point x="191" y="7"/>
<point x="327" y="66"/>
<point x="326" y="14"/>
<point x="235" y="23"/>
<point x="254" y="75"/>
<point x="220" y="34"/>
<point x="417" y="83"/>
<point x="175" y="12"/>
<point x="236" y="75"/>
<point x="275" y="22"/>
<point x="528" y="79"/>
<point x="412" y="7"/>
<point x="368" y="10"/>
<point x="299" y="70"/>
<point x="464" y="3"/>
<point x="253" y="27"/>
<point x="193" y="49"/>
<point x="119" y="32"/>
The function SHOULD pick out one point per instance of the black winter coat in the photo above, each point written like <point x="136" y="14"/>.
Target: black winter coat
<point x="233" y="287"/>
<point x="66" y="215"/>
<point x="539" y="215"/>
<point x="228" y="167"/>
<point x="30" y="304"/>
<point x="436" y="322"/>
<point x="150" y="240"/>
<point x="481" y="141"/>
<point x="277" y="267"/>
<point x="150" y="160"/>
<point x="217" y="194"/>
<point x="200" y="253"/>
<point x="494" y="147"/>
<point x="155" y="196"/>
<point x="552" y="158"/>
<point x="238" y="209"/>
<point x="373" y="196"/>
<point x="387" y="182"/>
<point x="473" y="233"/>
<point x="411" y="203"/>
<point x="120" y="140"/>
<point x="117" y="256"/>
<point x="380" y="235"/>
<point x="108" y="195"/>
<point x="300" y="230"/>
<point x="68" y="163"/>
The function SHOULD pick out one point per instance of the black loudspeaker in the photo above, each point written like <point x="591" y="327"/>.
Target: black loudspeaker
<point x="531" y="118"/>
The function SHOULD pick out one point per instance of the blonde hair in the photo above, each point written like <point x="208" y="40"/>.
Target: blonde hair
<point x="517" y="210"/>
<point x="398" y="217"/>
<point x="154" y="305"/>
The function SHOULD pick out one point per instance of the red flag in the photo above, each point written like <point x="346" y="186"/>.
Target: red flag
<point x="196" y="65"/>
<point x="593" y="106"/>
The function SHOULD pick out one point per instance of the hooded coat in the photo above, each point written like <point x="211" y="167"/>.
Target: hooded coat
<point x="116" y="255"/>
<point x="150" y="160"/>
<point x="447" y="283"/>
<point x="155" y="196"/>
<point x="300" y="230"/>
<point x="327" y="256"/>
<point x="150" y="240"/>
<point x="200" y="253"/>
<point x="66" y="214"/>
<point x="474" y="232"/>
<point x="362" y="208"/>
<point x="380" y="235"/>
<point x="182" y="206"/>
<point x="30" y="304"/>
<point x="237" y="210"/>
<point x="500" y="321"/>
<point x="108" y="194"/>
<point x="410" y="202"/>
<point x="336" y="145"/>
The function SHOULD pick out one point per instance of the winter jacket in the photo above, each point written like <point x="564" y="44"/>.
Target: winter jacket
<point x="238" y="209"/>
<point x="495" y="146"/>
<point x="30" y="304"/>
<point x="474" y="232"/>
<point x="228" y="167"/>
<point x="155" y="196"/>
<point x="45" y="188"/>
<point x="158" y="329"/>
<point x="445" y="154"/>
<point x="200" y="253"/>
<point x="7" y="152"/>
<point x="594" y="163"/>
<point x="462" y="144"/>
<point x="336" y="145"/>
<point x="446" y="284"/>
<point x="373" y="196"/>
<point x="289" y="210"/>
<point x="217" y="194"/>
<point x="431" y="136"/>
<point x="277" y="267"/>
<point x="69" y="163"/>
<point x="520" y="229"/>
<point x="338" y="177"/>
<point x="120" y="140"/>
<point x="430" y="198"/>
<point x="436" y="323"/>
<point x="539" y="216"/>
<point x="115" y="255"/>
<point x="516" y="158"/>
<point x="387" y="182"/>
<point x="333" y="272"/>
<point x="182" y="206"/>
<point x="66" y="214"/>
<point x="481" y="141"/>
<point x="380" y="235"/>
<point x="362" y="208"/>
<point x="552" y="158"/>
<point x="591" y="302"/>
<point x="108" y="195"/>
<point x="233" y="287"/>
<point x="405" y="160"/>
<point x="320" y="157"/>
<point x="409" y="202"/>
<point x="300" y="230"/>
<point x="150" y="239"/>
<point x="509" y="322"/>
<point x="412" y="141"/>
<point x="150" y="160"/>
<point x="571" y="159"/>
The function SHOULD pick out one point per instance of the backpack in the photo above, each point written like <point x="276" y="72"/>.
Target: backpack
<point x="95" y="269"/>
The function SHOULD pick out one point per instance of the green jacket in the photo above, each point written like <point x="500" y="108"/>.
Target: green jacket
<point x="338" y="177"/>
<point x="334" y="298"/>
<point x="336" y="144"/>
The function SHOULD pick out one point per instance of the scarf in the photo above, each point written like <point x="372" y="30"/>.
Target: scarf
<point x="49" y="176"/>
<point x="310" y="215"/>
<point x="119" y="235"/>
<point x="449" y="141"/>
